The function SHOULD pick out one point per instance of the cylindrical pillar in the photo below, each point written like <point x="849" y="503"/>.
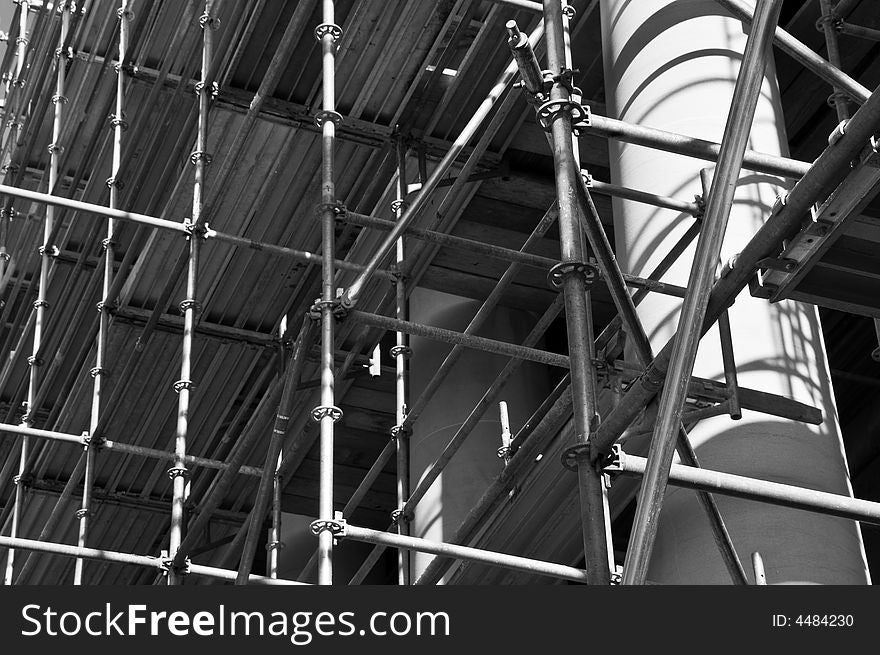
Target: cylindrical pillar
<point x="476" y="463"/>
<point x="673" y="65"/>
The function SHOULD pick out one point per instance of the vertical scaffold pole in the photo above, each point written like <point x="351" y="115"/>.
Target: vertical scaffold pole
<point x="100" y="369"/>
<point x="666" y="429"/>
<point x="39" y="306"/>
<point x="401" y="353"/>
<point x="326" y="414"/>
<point x="572" y="274"/>
<point x="190" y="305"/>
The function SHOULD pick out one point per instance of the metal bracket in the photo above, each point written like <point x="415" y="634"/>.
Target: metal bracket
<point x="168" y="565"/>
<point x="398" y="516"/>
<point x="504" y="452"/>
<point x="336" y="527"/>
<point x="199" y="86"/>
<point x="338" y="208"/>
<point x="400" y="429"/>
<point x="398" y="351"/>
<point x="551" y="109"/>
<point x="180" y="385"/>
<point x="573" y="454"/>
<point x="178" y="472"/>
<point x="96" y="371"/>
<point x="328" y="28"/>
<point x="206" y="20"/>
<point x="613" y="464"/>
<point x="778" y="264"/>
<point x="397" y="205"/>
<point x="275" y="545"/>
<point x="118" y="121"/>
<point x="325" y="115"/>
<point x="81" y="513"/>
<point x="190" y="303"/>
<point x="557" y="274"/>
<point x="320" y="412"/>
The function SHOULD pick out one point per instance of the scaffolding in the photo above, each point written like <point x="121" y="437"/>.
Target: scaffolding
<point x="352" y="318"/>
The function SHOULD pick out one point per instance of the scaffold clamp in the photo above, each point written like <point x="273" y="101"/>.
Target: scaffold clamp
<point x="168" y="565"/>
<point x="578" y="453"/>
<point x="401" y="351"/>
<point x="178" y="472"/>
<point x="328" y="28"/>
<point x="557" y="274"/>
<point x="398" y="516"/>
<point x="325" y="115"/>
<point x="335" y="526"/>
<point x="401" y="429"/>
<point x="275" y="545"/>
<point x="321" y="412"/>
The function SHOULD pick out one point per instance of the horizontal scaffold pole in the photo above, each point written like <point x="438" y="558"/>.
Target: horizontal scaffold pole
<point x="130" y="559"/>
<point x="180" y="228"/>
<point x="464" y="553"/>
<point x="128" y="449"/>
<point x="738" y="486"/>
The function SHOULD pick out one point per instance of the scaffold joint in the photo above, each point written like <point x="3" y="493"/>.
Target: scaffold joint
<point x="401" y="351"/>
<point x="569" y="11"/>
<point x="190" y="303"/>
<point x="118" y="121"/>
<point x="338" y="208"/>
<point x="127" y="14"/>
<point x="93" y="442"/>
<point x="200" y="155"/>
<point x="504" y="452"/>
<point x="168" y="565"/>
<point x="58" y="98"/>
<point x="97" y="370"/>
<point x="23" y="480"/>
<point x="34" y="361"/>
<point x="336" y="527"/>
<point x="196" y="229"/>
<point x="397" y="205"/>
<point x="401" y="429"/>
<point x="325" y="115"/>
<point x="558" y="273"/>
<point x="321" y="412"/>
<point x="200" y="85"/>
<point x="180" y="385"/>
<point x="178" y="472"/>
<point x="574" y="455"/>
<point x="49" y="251"/>
<point x="398" y="516"/>
<point x="207" y="20"/>
<point x="82" y="513"/>
<point x="275" y="545"/>
<point x="332" y="29"/>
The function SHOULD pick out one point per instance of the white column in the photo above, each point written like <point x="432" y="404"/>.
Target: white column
<point x="672" y="65"/>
